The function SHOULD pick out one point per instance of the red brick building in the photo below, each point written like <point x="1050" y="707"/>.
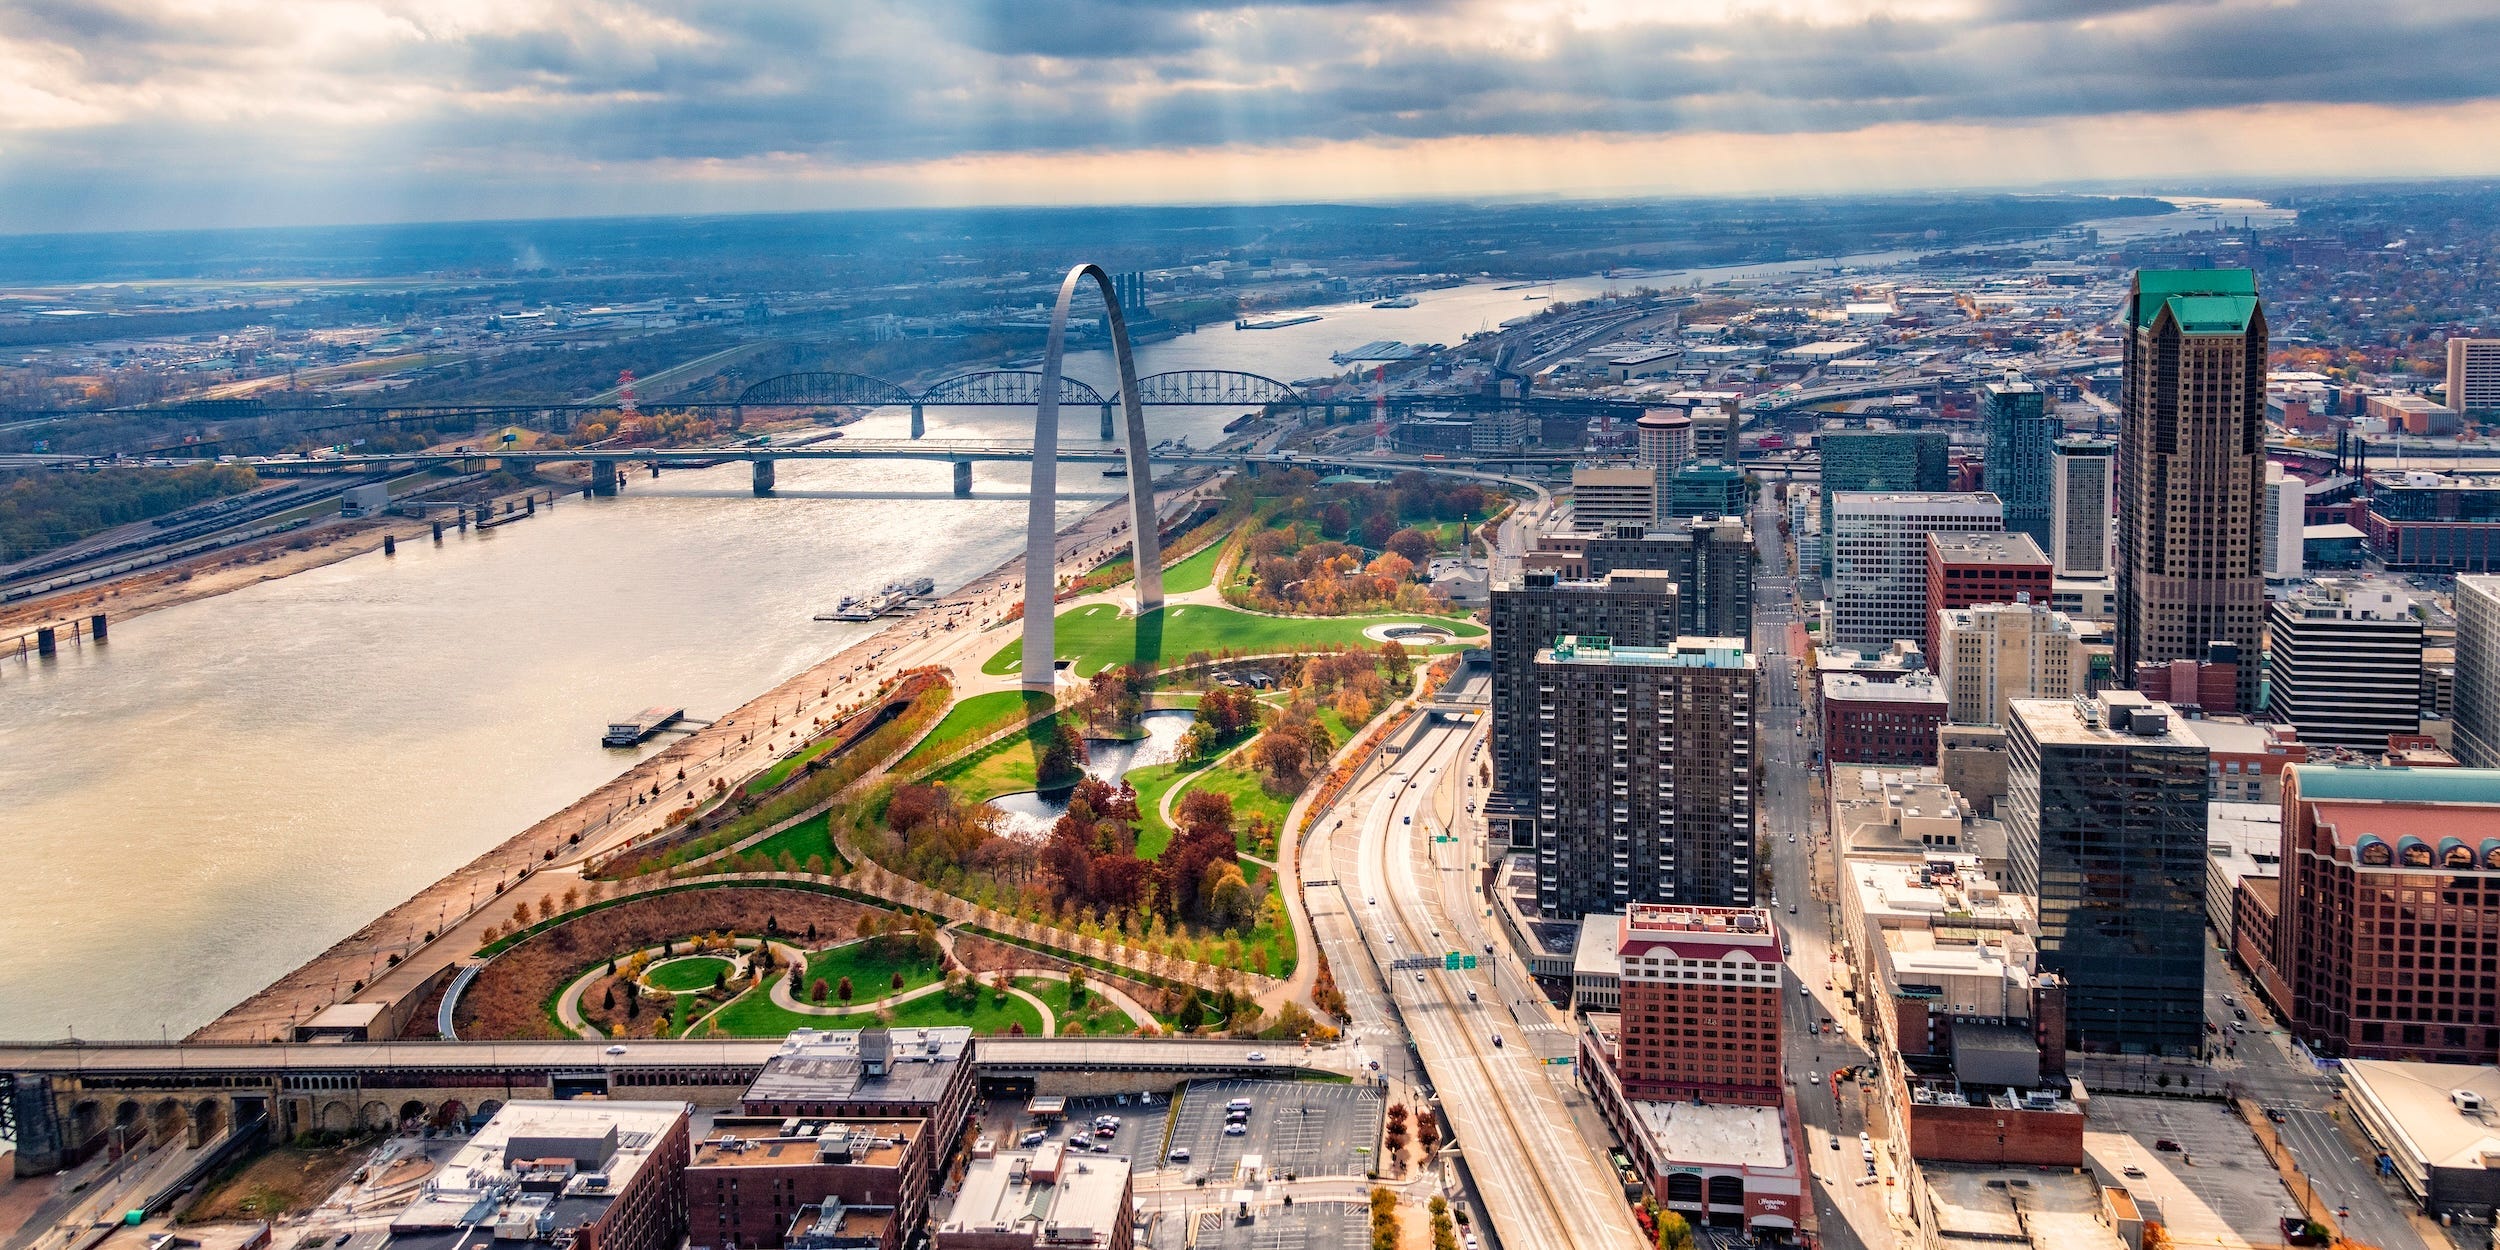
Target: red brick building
<point x="751" y="1176"/>
<point x="1882" y="723"/>
<point x="1967" y="570"/>
<point x="1701" y="1004"/>
<point x="2388" y="944"/>
<point x="2209" y="686"/>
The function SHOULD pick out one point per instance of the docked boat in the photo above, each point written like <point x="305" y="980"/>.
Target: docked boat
<point x="1276" y="323"/>
<point x="1396" y="301"/>
<point x="631" y="730"/>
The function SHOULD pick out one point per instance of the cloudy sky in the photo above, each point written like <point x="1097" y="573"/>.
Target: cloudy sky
<point x="168" y="113"/>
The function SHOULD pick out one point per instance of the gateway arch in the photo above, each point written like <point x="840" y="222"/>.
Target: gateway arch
<point x="1041" y="528"/>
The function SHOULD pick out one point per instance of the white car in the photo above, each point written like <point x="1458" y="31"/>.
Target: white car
<point x="1236" y="1130"/>
<point x="1257" y="1056"/>
<point x="616" y="1050"/>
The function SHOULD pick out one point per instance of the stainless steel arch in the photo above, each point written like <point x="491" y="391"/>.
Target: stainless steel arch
<point x="1041" y="525"/>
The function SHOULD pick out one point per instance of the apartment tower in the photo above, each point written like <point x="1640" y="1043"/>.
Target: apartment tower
<point x="1646" y="775"/>
<point x="2192" y="469"/>
<point x="2082" y="479"/>
<point x="2021" y="432"/>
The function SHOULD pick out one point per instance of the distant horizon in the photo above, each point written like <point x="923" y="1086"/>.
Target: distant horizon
<point x="2267" y="191"/>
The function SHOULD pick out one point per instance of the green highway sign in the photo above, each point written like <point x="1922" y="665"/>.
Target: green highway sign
<point x="1449" y="962"/>
<point x="1468" y="962"/>
<point x="1559" y="1060"/>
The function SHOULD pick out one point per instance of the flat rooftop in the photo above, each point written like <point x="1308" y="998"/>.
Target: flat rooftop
<point x="1081" y="1200"/>
<point x="2418" y="1101"/>
<point x="790" y="1143"/>
<point x="1987" y="548"/>
<point x="1689" y="652"/>
<point x="535" y="1169"/>
<point x="2064" y="722"/>
<point x="822" y="1065"/>
<point x="1720" y="1133"/>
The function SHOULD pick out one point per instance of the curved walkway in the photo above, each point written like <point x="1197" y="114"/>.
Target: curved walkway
<point x="1128" y="1006"/>
<point x="569" y="1001"/>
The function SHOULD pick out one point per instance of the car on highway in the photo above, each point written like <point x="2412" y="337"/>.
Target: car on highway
<point x="1471" y="996"/>
<point x="1371" y="902"/>
<point x="1792" y="909"/>
<point x="1256" y="1056"/>
<point x="1236" y="1129"/>
<point x="616" y="1050"/>
<point x="1786" y="949"/>
<point x="1814" y="1077"/>
<point x="2132" y="1172"/>
<point x="1497" y="1039"/>
<point x="1410" y="819"/>
<point x="1419" y="978"/>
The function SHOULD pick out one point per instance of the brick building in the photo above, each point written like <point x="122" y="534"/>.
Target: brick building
<point x="752" y="1176"/>
<point x="589" y="1175"/>
<point x="871" y="1074"/>
<point x="2389" y="934"/>
<point x="1700" y="988"/>
<point x="1880" y="722"/>
<point x="1965" y="570"/>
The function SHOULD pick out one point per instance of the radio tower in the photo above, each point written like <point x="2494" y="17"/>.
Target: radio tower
<point x="625" y="403"/>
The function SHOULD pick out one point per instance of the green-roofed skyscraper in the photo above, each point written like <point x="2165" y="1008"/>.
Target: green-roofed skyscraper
<point x="2192" y="470"/>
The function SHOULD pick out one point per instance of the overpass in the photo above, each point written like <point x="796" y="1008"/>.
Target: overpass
<point x="57" y="1096"/>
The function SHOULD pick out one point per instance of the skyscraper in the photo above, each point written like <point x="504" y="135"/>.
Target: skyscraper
<point x="2344" y="664"/>
<point x="2474" y="376"/>
<point x="2105" y="824"/>
<point x="2192" y="469"/>
<point x="1990" y="655"/>
<point x="2287" y="511"/>
<point x="1646" y="775"/>
<point x="2475" y="702"/>
<point x="1879" y="559"/>
<point x="1636" y="607"/>
<point x="2081" y="487"/>
<point x="2021" y="431"/>
<point x="1864" y="460"/>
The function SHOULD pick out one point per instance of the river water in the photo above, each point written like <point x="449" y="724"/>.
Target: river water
<point x="232" y="785"/>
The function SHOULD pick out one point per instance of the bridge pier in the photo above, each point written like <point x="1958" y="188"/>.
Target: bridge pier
<point x="655" y="468"/>
<point x="1107" y="434"/>
<point x="48" y="639"/>
<point x="95" y="627"/>
<point x="763" y="477"/>
<point x="602" y="477"/>
<point x="963" y="479"/>
<point x="919" y="422"/>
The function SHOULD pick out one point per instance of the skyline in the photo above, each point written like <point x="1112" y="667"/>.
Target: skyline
<point x="207" y="113"/>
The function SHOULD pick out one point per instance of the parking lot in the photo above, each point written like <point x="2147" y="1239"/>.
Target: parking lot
<point x="1303" y="1226"/>
<point x="1138" y="1138"/>
<point x="2217" y="1189"/>
<point x="1296" y="1128"/>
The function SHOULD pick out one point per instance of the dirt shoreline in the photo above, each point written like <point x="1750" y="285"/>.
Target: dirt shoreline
<point x="361" y="967"/>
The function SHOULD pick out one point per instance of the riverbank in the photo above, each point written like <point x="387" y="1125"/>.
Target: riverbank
<point x="402" y="955"/>
<point x="213" y="573"/>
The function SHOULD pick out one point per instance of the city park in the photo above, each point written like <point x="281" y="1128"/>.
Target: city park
<point x="1106" y="857"/>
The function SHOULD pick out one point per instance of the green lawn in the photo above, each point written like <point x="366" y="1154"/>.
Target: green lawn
<point x="812" y="836"/>
<point x="754" y="1014"/>
<point x="1152" y="782"/>
<point x="1249" y="793"/>
<point x="1195" y="573"/>
<point x="781" y="769"/>
<point x="1003" y="767"/>
<point x="1097" y="1018"/>
<point x="970" y="721"/>
<point x="692" y="973"/>
<point x="871" y="966"/>
<point x="1097" y="636"/>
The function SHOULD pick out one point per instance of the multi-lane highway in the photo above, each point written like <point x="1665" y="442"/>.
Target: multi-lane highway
<point x="1400" y="894"/>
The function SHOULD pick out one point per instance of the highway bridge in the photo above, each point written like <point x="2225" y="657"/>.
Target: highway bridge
<point x="57" y="1096"/>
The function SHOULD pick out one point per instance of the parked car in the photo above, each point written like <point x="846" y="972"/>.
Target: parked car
<point x="2166" y="1144"/>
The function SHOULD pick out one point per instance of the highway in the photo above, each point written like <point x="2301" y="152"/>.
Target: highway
<point x="1539" y="1182"/>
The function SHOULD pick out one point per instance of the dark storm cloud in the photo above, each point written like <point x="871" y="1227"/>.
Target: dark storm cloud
<point x="620" y="83"/>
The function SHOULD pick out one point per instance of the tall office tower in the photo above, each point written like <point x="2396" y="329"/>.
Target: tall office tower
<point x="2364" y="850"/>
<point x="1990" y="655"/>
<point x="1711" y="559"/>
<point x="1879" y="559"/>
<point x="1966" y="570"/>
<point x="1646" y="775"/>
<point x="1866" y="460"/>
<point x="1636" y="607"/>
<point x="2344" y="664"/>
<point x="2287" y="512"/>
<point x="1701" y="1003"/>
<point x="2192" y="469"/>
<point x="1666" y="440"/>
<point x="2081" y="486"/>
<point x="2474" y="376"/>
<point x="2474" y="698"/>
<point x="2105" y="825"/>
<point x="2021" y="430"/>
